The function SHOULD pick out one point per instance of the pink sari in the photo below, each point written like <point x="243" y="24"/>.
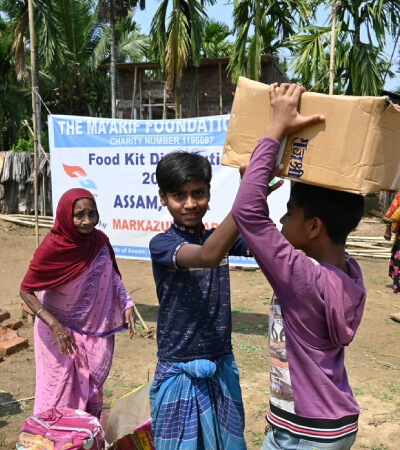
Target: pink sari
<point x="92" y="307"/>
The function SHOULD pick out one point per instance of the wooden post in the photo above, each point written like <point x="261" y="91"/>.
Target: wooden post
<point x="150" y="110"/>
<point x="220" y="87"/>
<point x="197" y="94"/>
<point x="140" y="96"/>
<point x="112" y="58"/>
<point x="333" y="45"/>
<point x="164" y="113"/>
<point x="34" y="120"/>
<point x="133" y="112"/>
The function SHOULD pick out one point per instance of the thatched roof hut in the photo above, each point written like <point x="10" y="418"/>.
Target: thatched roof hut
<point x="16" y="183"/>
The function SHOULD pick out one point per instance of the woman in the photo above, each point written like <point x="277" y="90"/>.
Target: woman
<point x="392" y="218"/>
<point x="82" y="303"/>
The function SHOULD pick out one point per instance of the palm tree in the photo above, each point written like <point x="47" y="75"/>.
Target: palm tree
<point x="178" y="41"/>
<point x="78" y="87"/>
<point x="114" y="11"/>
<point x="17" y="11"/>
<point x="214" y="42"/>
<point x="131" y="44"/>
<point x="272" y="21"/>
<point x="362" y="27"/>
<point x="15" y="100"/>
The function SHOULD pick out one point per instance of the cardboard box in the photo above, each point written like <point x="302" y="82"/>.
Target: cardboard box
<point x="357" y="149"/>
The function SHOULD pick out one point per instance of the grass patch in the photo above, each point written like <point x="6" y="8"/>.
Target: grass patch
<point x="248" y="347"/>
<point x="242" y="330"/>
<point x="358" y="391"/>
<point x="257" y="438"/>
<point x="241" y="309"/>
<point x="108" y="393"/>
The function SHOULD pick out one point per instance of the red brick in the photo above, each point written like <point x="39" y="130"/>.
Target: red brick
<point x="14" y="324"/>
<point x="8" y="335"/>
<point x="13" y="346"/>
<point x="4" y="315"/>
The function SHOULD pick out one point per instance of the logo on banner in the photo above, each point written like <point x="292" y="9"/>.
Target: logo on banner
<point x="77" y="172"/>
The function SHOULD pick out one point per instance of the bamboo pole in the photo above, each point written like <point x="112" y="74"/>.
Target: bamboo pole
<point x="140" y="96"/>
<point x="140" y="318"/>
<point x="164" y="112"/>
<point x="220" y="87"/>
<point x="333" y="45"/>
<point x="197" y="93"/>
<point x="133" y="115"/>
<point x="34" y="119"/>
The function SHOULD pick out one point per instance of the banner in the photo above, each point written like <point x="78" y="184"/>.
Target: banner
<point x="116" y="159"/>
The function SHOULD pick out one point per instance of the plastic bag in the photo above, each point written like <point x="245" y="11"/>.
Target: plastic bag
<point x="61" y="429"/>
<point x="127" y="424"/>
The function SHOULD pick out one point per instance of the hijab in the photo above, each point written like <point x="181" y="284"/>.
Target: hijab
<point x="65" y="253"/>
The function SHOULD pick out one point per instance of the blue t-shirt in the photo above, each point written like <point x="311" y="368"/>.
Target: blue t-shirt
<point x="194" y="319"/>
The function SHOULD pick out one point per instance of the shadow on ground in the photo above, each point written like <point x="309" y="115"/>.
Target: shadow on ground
<point x="8" y="407"/>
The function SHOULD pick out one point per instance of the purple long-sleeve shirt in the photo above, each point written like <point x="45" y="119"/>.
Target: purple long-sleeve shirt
<point x="315" y="313"/>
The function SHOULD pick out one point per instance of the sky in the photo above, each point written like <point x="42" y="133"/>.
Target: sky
<point x="223" y="10"/>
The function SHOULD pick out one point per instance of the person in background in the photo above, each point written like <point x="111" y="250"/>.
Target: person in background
<point x="392" y="220"/>
<point x="81" y="304"/>
<point x="319" y="294"/>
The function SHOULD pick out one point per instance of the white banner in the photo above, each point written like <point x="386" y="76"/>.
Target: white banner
<point x="115" y="159"/>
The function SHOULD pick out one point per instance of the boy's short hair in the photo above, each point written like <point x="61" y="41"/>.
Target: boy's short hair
<point x="340" y="211"/>
<point x="178" y="167"/>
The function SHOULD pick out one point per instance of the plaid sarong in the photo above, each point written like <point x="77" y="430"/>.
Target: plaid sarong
<point x="198" y="405"/>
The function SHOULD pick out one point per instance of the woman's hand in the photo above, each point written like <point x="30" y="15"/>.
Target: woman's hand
<point x="65" y="340"/>
<point x="130" y="318"/>
<point x="388" y="232"/>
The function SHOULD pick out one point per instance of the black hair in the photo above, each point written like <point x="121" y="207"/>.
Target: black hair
<point x="340" y="211"/>
<point x="178" y="167"/>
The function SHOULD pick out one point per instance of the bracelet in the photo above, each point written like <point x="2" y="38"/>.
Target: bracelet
<point x="40" y="310"/>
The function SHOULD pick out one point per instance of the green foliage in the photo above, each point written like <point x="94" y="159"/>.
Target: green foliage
<point x="179" y="40"/>
<point x="23" y="145"/>
<point x="214" y="42"/>
<point x="25" y="142"/>
<point x="263" y="26"/>
<point x="15" y="99"/>
<point x="361" y="65"/>
<point x="73" y="41"/>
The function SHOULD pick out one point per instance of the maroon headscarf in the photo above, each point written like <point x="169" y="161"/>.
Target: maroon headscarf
<point x="64" y="253"/>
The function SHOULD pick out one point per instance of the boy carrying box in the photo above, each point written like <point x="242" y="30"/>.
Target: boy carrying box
<point x="319" y="292"/>
<point x="196" y="401"/>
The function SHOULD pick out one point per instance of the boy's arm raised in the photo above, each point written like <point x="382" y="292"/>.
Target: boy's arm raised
<point x="275" y="256"/>
<point x="212" y="252"/>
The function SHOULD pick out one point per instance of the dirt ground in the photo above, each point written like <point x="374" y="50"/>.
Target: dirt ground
<point x="373" y="359"/>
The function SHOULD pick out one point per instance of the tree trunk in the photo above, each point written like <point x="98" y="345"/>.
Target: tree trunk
<point x="177" y="103"/>
<point x="34" y="116"/>
<point x="112" y="59"/>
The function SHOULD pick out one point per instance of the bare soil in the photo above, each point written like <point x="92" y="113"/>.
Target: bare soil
<point x="373" y="359"/>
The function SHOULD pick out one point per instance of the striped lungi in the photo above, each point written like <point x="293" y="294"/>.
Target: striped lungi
<point x="198" y="405"/>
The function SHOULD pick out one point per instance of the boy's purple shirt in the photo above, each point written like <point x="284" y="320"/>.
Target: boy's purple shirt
<point x="321" y="305"/>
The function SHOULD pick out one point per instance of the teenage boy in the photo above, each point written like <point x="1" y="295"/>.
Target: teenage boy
<point x="319" y="292"/>
<point x="196" y="401"/>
